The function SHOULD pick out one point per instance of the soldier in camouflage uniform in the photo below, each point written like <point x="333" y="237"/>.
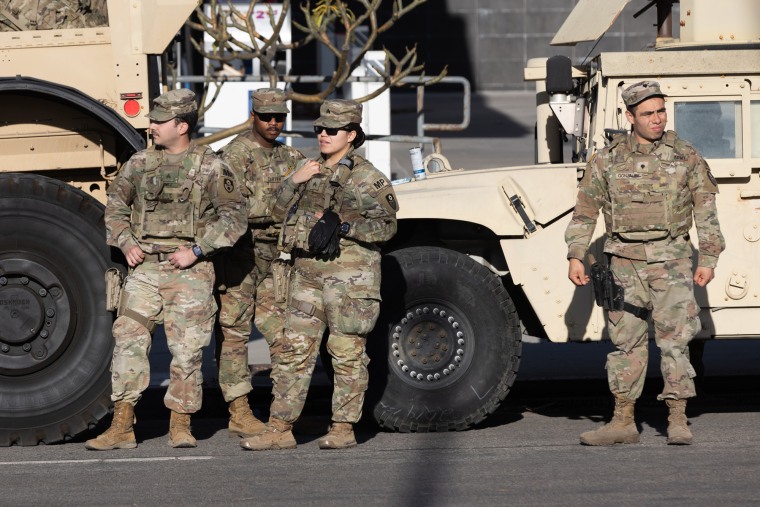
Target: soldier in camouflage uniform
<point x="262" y="162"/>
<point x="169" y="207"/>
<point x="22" y="15"/>
<point x="651" y="186"/>
<point x="338" y="210"/>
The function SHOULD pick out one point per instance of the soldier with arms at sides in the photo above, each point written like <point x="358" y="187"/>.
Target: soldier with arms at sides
<point x="337" y="211"/>
<point x="244" y="275"/>
<point x="651" y="187"/>
<point x="169" y="208"/>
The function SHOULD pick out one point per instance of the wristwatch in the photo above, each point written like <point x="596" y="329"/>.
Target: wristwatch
<point x="197" y="251"/>
<point x="344" y="228"/>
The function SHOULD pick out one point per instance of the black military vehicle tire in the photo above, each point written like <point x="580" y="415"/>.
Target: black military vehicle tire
<point x="55" y="333"/>
<point x="447" y="345"/>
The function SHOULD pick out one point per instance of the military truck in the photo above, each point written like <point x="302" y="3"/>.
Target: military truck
<point x="479" y="259"/>
<point x="74" y="102"/>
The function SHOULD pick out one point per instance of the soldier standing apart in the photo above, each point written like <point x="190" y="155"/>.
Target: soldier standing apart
<point x="170" y="207"/>
<point x="262" y="162"/>
<point x="337" y="210"/>
<point x="650" y="186"/>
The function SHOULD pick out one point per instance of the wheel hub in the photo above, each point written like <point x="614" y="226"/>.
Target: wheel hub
<point x="20" y="313"/>
<point x="34" y="316"/>
<point x="429" y="346"/>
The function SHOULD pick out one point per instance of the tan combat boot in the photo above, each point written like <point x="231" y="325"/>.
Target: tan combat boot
<point x="242" y="421"/>
<point x="340" y="436"/>
<point x="620" y="430"/>
<point x="678" y="429"/>
<point x="179" y="431"/>
<point x="121" y="434"/>
<point x="278" y="435"/>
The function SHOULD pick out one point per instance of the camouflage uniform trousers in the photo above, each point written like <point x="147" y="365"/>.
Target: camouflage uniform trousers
<point x="345" y="294"/>
<point x="668" y="288"/>
<point x="270" y="315"/>
<point x="236" y="282"/>
<point x="183" y="300"/>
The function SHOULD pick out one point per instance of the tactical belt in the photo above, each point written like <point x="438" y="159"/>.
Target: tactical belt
<point x="309" y="309"/>
<point x="156" y="257"/>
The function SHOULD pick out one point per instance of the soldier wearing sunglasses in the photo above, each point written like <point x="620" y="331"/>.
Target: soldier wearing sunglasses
<point x="337" y="212"/>
<point x="244" y="273"/>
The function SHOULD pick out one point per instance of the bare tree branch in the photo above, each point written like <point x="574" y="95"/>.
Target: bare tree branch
<point x="221" y="19"/>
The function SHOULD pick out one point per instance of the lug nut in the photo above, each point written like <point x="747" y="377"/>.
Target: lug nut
<point x="3" y="280"/>
<point x="5" y="348"/>
<point x="43" y="333"/>
<point x="24" y="280"/>
<point x="50" y="312"/>
<point x="26" y="347"/>
<point x="42" y="292"/>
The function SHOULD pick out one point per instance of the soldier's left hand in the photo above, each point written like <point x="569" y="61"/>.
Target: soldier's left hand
<point x="703" y="275"/>
<point x="182" y="258"/>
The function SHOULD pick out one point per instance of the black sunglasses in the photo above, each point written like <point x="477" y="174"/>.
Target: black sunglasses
<point x="267" y="117"/>
<point x="330" y="131"/>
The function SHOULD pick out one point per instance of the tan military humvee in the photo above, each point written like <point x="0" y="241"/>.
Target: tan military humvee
<point x="480" y="255"/>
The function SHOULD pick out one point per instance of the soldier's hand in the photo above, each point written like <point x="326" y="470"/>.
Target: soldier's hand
<point x="306" y="172"/>
<point x="182" y="258"/>
<point x="703" y="275"/>
<point x="577" y="273"/>
<point x="134" y="256"/>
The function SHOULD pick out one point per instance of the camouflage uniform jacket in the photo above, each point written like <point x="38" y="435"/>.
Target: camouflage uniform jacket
<point x="263" y="171"/>
<point x="22" y="15"/>
<point x="677" y="167"/>
<point x="368" y="203"/>
<point x="220" y="214"/>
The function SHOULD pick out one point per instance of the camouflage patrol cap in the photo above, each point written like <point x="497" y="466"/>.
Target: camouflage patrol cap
<point x="172" y="103"/>
<point x="338" y="113"/>
<point x="270" y="100"/>
<point x="640" y="91"/>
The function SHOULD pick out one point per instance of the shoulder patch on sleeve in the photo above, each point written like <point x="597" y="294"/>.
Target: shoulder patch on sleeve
<point x="392" y="202"/>
<point x="229" y="184"/>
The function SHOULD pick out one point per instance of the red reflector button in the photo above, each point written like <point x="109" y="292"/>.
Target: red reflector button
<point x="131" y="108"/>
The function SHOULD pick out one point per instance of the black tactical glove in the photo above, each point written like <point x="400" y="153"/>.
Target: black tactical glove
<point x="323" y="237"/>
